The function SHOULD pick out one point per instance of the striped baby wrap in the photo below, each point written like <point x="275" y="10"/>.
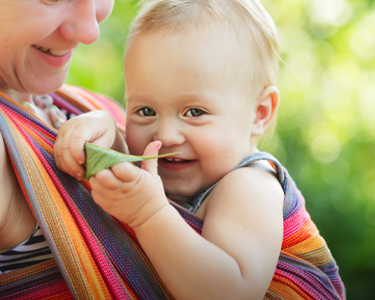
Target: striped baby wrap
<point x="99" y="258"/>
<point x="306" y="268"/>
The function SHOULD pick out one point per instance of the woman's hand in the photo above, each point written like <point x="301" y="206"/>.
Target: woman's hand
<point x="97" y="127"/>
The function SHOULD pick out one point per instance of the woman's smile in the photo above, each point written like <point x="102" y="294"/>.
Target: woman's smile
<point x="53" y="52"/>
<point x="53" y="57"/>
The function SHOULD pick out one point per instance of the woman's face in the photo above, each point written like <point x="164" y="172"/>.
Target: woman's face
<point x="38" y="38"/>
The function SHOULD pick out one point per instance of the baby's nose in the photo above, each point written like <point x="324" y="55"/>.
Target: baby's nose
<point x="170" y="134"/>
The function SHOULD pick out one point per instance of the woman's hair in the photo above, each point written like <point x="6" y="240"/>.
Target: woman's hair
<point x="248" y="18"/>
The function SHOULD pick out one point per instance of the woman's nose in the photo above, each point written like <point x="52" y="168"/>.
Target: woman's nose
<point x="103" y="9"/>
<point x="170" y="134"/>
<point x="83" y="23"/>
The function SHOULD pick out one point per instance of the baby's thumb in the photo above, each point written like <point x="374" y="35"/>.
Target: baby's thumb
<point x="151" y="165"/>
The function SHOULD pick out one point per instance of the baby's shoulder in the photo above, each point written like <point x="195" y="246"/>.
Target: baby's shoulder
<point x="256" y="177"/>
<point x="254" y="187"/>
<point x="246" y="207"/>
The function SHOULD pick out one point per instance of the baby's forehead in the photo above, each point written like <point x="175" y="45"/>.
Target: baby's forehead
<point x="217" y="46"/>
<point x="216" y="38"/>
<point x="249" y="25"/>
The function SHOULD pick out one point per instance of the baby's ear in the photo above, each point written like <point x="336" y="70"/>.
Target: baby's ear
<point x="265" y="110"/>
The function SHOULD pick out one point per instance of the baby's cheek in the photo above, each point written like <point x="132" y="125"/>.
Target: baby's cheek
<point x="137" y="140"/>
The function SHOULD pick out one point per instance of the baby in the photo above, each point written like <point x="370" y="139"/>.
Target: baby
<point x="201" y="79"/>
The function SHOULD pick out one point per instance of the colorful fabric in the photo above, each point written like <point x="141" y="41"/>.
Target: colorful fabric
<point x="76" y="100"/>
<point x="32" y="251"/>
<point x="306" y="268"/>
<point x="96" y="257"/>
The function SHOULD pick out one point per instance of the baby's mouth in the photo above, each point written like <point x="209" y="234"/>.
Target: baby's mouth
<point x="50" y="51"/>
<point x="175" y="160"/>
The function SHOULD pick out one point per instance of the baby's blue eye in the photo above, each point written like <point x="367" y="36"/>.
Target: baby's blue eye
<point x="146" y="112"/>
<point x="194" y="112"/>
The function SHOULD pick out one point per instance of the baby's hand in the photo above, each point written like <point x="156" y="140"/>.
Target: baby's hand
<point x="131" y="194"/>
<point x="97" y="127"/>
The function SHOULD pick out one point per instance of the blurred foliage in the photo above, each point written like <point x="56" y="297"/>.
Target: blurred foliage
<point x="326" y="127"/>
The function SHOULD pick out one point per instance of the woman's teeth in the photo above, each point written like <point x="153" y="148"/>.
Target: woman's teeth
<point x="52" y="51"/>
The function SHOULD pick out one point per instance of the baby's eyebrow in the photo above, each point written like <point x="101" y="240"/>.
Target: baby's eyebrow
<point x="138" y="98"/>
<point x="203" y="98"/>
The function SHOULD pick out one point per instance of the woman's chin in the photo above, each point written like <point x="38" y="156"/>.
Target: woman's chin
<point x="42" y="87"/>
<point x="40" y="79"/>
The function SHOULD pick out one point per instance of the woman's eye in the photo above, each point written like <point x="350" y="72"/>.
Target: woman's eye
<point x="146" y="112"/>
<point x="194" y="112"/>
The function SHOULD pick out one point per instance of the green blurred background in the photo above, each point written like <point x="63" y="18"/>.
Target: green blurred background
<point x="326" y="126"/>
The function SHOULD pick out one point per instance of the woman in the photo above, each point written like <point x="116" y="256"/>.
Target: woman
<point x="38" y="39"/>
<point x="94" y="257"/>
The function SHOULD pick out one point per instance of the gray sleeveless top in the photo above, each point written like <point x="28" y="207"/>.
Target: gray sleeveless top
<point x="197" y="201"/>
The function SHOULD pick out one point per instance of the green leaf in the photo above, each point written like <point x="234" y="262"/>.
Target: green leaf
<point x="99" y="158"/>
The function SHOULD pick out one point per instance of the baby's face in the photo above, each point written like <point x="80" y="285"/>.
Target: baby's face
<point x="188" y="92"/>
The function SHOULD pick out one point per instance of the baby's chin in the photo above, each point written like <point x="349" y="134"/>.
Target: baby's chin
<point x="183" y="195"/>
<point x="179" y="196"/>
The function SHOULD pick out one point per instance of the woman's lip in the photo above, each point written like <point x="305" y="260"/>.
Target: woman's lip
<point x="53" y="60"/>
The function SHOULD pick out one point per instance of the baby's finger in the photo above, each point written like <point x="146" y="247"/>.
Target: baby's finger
<point x="71" y="166"/>
<point x="59" y="155"/>
<point x="151" y="165"/>
<point x="126" y="172"/>
<point x="105" y="180"/>
<point x="77" y="140"/>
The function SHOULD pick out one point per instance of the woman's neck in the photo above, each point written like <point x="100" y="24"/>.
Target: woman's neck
<point x="18" y="96"/>
<point x="21" y="98"/>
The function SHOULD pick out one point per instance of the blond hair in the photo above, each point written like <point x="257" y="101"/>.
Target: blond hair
<point x="245" y="16"/>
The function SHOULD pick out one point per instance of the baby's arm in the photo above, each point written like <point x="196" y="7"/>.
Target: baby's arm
<point x="235" y="257"/>
<point x="98" y="127"/>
